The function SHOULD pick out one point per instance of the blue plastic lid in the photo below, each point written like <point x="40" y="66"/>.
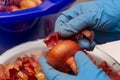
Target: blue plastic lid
<point x="47" y="7"/>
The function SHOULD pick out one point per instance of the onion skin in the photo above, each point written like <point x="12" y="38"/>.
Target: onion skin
<point x="60" y="53"/>
<point x="52" y="39"/>
<point x="10" y="66"/>
<point x="71" y="62"/>
<point x="14" y="8"/>
<point x="2" y="72"/>
<point x="88" y="34"/>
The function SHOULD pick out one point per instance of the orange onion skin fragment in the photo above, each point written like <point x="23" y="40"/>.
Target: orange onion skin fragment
<point x="2" y="72"/>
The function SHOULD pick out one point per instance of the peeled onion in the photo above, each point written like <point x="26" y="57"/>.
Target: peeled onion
<point x="24" y="4"/>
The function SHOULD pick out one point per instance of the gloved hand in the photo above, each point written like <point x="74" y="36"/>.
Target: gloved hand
<point x="101" y="16"/>
<point x="86" y="70"/>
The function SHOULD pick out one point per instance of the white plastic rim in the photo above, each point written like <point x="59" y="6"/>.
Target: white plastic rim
<point x="38" y="46"/>
<point x="31" y="47"/>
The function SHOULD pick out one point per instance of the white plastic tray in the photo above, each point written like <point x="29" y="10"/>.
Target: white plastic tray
<point x="38" y="46"/>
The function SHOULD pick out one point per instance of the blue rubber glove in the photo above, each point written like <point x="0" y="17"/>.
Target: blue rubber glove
<point x="86" y="70"/>
<point x="101" y="16"/>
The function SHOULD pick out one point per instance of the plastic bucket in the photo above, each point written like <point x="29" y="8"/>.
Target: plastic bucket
<point x="18" y="21"/>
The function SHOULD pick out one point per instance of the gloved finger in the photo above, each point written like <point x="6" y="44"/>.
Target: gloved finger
<point x="67" y="15"/>
<point x="87" y="67"/>
<point x="71" y="21"/>
<point x="63" y="19"/>
<point x="92" y="46"/>
<point x="84" y="63"/>
<point x="103" y="37"/>
<point x="85" y="44"/>
<point x="72" y="26"/>
<point x="51" y="73"/>
<point x="84" y="14"/>
<point x="73" y="12"/>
